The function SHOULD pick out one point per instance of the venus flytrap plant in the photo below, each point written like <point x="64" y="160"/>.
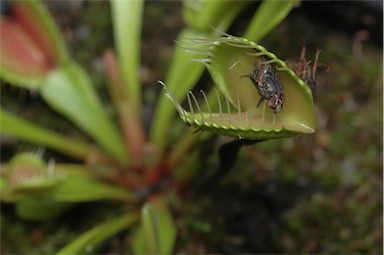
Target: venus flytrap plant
<point x="122" y="165"/>
<point x="228" y="60"/>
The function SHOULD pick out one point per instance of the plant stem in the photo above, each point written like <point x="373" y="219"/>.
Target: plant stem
<point x="99" y="233"/>
<point x="25" y="130"/>
<point x="129" y="118"/>
<point x="127" y="20"/>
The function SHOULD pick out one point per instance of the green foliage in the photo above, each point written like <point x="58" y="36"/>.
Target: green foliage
<point x="268" y="15"/>
<point x="157" y="232"/>
<point x="86" y="243"/>
<point x="27" y="131"/>
<point x="127" y="17"/>
<point x="69" y="91"/>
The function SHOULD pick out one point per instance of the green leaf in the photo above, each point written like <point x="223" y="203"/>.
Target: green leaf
<point x="157" y="232"/>
<point x="80" y="186"/>
<point x="86" y="243"/>
<point x="24" y="130"/>
<point x="127" y="18"/>
<point x="229" y="59"/>
<point x="182" y="75"/>
<point x="268" y="16"/>
<point x="217" y="14"/>
<point x="69" y="91"/>
<point x="40" y="209"/>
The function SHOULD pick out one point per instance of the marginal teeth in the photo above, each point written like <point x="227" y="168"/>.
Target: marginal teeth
<point x="224" y="116"/>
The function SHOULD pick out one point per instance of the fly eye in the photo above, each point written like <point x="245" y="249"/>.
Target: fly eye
<point x="271" y="101"/>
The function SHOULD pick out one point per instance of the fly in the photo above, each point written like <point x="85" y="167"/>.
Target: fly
<point x="268" y="85"/>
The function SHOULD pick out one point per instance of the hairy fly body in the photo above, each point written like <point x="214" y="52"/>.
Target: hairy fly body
<point x="268" y="85"/>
